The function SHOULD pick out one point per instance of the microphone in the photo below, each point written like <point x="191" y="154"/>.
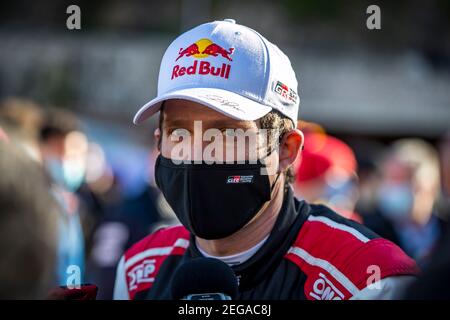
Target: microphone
<point x="204" y="279"/>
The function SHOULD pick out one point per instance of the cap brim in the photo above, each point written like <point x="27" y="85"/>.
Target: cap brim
<point x="228" y="103"/>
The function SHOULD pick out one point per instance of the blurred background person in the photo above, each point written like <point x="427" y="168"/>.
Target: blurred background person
<point x="103" y="211"/>
<point x="326" y="173"/>
<point x="21" y="120"/>
<point x="434" y="283"/>
<point x="48" y="138"/>
<point x="406" y="198"/>
<point x="103" y="208"/>
<point x="444" y="152"/>
<point x="124" y="223"/>
<point x="28" y="227"/>
<point x="63" y="151"/>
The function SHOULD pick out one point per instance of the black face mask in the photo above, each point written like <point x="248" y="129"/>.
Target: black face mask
<point x="213" y="201"/>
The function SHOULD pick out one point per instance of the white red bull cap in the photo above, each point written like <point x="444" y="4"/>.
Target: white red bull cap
<point x="229" y="68"/>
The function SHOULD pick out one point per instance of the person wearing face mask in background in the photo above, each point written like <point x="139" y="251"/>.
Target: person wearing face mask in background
<point x="326" y="174"/>
<point x="49" y="138"/>
<point x="61" y="147"/>
<point x="434" y="282"/>
<point x="409" y="188"/>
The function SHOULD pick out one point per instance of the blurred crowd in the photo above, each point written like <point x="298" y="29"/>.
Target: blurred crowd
<point x="62" y="202"/>
<point x="401" y="191"/>
<point x="58" y="191"/>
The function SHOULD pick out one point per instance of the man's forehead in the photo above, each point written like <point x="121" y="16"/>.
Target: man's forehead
<point x="397" y="170"/>
<point x="179" y="112"/>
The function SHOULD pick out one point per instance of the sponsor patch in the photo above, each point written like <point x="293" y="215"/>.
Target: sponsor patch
<point x="287" y="95"/>
<point x="324" y="289"/>
<point x="240" y="179"/>
<point x="142" y="273"/>
<point x="201" y="49"/>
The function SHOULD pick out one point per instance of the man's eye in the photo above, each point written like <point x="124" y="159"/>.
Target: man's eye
<point x="178" y="132"/>
<point x="227" y="132"/>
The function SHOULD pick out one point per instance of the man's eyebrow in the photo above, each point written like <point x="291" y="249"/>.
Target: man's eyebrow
<point x="232" y="124"/>
<point x="219" y="124"/>
<point x="176" y="123"/>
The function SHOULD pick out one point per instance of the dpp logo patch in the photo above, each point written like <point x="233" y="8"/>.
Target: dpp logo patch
<point x="142" y="273"/>
<point x="201" y="49"/>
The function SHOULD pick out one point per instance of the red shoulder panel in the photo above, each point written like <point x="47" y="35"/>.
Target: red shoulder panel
<point x="339" y="260"/>
<point x="143" y="259"/>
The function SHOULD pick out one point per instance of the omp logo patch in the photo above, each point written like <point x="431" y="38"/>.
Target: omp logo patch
<point x="240" y="179"/>
<point x="142" y="273"/>
<point x="324" y="289"/>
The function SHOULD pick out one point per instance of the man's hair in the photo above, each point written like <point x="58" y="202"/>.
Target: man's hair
<point x="419" y="155"/>
<point x="57" y="122"/>
<point x="22" y="118"/>
<point x="274" y="120"/>
<point x="28" y="227"/>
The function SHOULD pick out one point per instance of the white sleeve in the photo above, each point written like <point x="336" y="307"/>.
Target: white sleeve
<point x="120" y="286"/>
<point x="390" y="288"/>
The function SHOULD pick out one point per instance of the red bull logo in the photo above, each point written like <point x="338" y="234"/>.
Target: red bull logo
<point x="201" y="49"/>
<point x="204" y="48"/>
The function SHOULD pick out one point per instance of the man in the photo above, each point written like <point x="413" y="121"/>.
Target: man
<point x="226" y="77"/>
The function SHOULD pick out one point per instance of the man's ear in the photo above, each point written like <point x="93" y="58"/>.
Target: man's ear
<point x="157" y="135"/>
<point x="290" y="147"/>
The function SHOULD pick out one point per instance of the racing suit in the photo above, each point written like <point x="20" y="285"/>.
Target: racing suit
<point x="311" y="253"/>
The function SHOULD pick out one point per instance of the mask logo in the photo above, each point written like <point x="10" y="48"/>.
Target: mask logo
<point x="239" y="179"/>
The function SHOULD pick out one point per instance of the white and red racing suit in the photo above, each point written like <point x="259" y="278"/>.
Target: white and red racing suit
<point x="311" y="253"/>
